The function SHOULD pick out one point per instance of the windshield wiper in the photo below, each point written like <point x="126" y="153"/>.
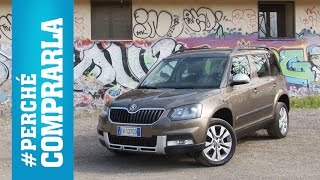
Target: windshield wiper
<point x="185" y="87"/>
<point x="147" y="87"/>
<point x="193" y="87"/>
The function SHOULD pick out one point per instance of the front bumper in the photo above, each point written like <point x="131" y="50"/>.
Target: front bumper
<point x="158" y="138"/>
<point x="159" y="148"/>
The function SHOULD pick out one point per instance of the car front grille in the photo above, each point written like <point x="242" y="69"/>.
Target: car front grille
<point x="133" y="141"/>
<point x="143" y="116"/>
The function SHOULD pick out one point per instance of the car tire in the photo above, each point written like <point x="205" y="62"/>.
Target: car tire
<point x="280" y="125"/>
<point x="220" y="144"/>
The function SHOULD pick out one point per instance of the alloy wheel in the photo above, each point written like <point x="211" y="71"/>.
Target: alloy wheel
<point x="218" y="144"/>
<point x="283" y="120"/>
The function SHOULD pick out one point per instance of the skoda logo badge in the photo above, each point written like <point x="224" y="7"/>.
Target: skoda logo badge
<point x="133" y="107"/>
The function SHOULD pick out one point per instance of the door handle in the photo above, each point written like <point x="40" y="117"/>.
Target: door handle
<point x="255" y="90"/>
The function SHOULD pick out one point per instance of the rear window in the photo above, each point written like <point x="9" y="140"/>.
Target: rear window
<point x="274" y="65"/>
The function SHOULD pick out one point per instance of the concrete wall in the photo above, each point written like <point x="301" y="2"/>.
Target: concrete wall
<point x="5" y="21"/>
<point x="156" y="19"/>
<point x="308" y="17"/>
<point x="162" y="27"/>
<point x="105" y="69"/>
<point x="82" y="19"/>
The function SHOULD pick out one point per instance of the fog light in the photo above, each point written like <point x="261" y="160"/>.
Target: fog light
<point x="180" y="142"/>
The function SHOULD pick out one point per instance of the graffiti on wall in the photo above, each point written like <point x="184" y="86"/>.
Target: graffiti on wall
<point x="201" y="22"/>
<point x="151" y="24"/>
<point x="5" y="78"/>
<point x="242" y="20"/>
<point x="5" y="68"/>
<point x="309" y="18"/>
<point x="122" y="63"/>
<point x="313" y="53"/>
<point x="115" y="67"/>
<point x="80" y="26"/>
<point x="5" y="27"/>
<point x="5" y="63"/>
<point x="105" y="69"/>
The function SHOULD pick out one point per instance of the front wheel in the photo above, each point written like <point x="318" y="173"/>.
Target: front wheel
<point x="280" y="125"/>
<point x="220" y="144"/>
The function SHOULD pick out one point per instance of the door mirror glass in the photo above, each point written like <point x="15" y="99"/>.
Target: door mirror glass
<point x="240" y="79"/>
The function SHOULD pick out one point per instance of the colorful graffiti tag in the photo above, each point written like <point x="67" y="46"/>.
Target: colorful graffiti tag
<point x="115" y="67"/>
<point x="105" y="69"/>
<point x="121" y="63"/>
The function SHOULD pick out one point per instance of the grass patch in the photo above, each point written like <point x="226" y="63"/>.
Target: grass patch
<point x="310" y="102"/>
<point x="79" y="113"/>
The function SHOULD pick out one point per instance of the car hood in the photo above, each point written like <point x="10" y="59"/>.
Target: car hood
<point x="162" y="98"/>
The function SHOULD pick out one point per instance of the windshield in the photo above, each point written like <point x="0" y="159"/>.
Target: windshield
<point x="186" y="73"/>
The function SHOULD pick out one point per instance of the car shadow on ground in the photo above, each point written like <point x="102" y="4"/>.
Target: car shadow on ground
<point x="91" y="156"/>
<point x="260" y="135"/>
<point x="97" y="158"/>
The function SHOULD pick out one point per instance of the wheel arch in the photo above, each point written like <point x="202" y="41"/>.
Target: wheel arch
<point x="225" y="114"/>
<point x="285" y="99"/>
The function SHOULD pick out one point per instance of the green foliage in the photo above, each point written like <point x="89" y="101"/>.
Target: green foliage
<point x="310" y="102"/>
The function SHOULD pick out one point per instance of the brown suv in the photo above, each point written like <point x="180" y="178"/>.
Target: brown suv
<point x="199" y="101"/>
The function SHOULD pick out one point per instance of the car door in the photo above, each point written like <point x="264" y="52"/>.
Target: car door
<point x="242" y="96"/>
<point x="264" y="87"/>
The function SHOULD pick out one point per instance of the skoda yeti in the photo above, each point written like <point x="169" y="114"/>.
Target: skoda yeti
<point x="199" y="101"/>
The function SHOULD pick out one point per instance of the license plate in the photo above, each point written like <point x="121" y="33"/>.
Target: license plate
<point x="129" y="131"/>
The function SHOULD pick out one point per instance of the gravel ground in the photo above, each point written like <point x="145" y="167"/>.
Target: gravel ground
<point x="256" y="157"/>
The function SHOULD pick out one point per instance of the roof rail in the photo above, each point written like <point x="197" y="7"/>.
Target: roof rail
<point x="249" y="47"/>
<point x="191" y="49"/>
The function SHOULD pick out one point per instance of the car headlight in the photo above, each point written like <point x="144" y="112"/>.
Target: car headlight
<point x="186" y="112"/>
<point x="105" y="111"/>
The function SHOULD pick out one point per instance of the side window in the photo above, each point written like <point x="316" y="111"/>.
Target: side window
<point x="274" y="65"/>
<point x="111" y="19"/>
<point x="208" y="66"/>
<point x="261" y="64"/>
<point x="166" y="72"/>
<point x="276" y="19"/>
<point x="240" y="65"/>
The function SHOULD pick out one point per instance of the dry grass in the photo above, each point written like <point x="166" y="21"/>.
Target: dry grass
<point x="310" y="102"/>
<point x="86" y="113"/>
<point x="5" y="114"/>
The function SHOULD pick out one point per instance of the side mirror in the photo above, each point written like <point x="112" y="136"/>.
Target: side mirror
<point x="240" y="79"/>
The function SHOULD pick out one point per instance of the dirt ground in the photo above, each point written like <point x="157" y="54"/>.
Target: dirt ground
<point x="256" y="157"/>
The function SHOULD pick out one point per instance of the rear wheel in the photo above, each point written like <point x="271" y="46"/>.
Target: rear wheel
<point x="280" y="126"/>
<point x="220" y="144"/>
